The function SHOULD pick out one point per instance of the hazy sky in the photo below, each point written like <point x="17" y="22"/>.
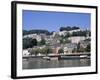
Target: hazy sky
<point x="52" y="21"/>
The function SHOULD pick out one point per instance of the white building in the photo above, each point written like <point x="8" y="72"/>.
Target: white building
<point x="62" y="33"/>
<point x="68" y="48"/>
<point x="25" y="52"/>
<point x="33" y="36"/>
<point x="30" y="36"/>
<point x="38" y="38"/>
<point x="76" y="39"/>
<point x="71" y="31"/>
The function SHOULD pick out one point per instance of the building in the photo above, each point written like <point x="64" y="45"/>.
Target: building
<point x="55" y="47"/>
<point x="76" y="39"/>
<point x="33" y="36"/>
<point x="26" y="52"/>
<point x="62" y="33"/>
<point x="71" y="31"/>
<point x="38" y="38"/>
<point x="76" y="30"/>
<point x="30" y="36"/>
<point x="68" y="48"/>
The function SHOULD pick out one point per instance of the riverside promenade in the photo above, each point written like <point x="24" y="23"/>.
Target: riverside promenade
<point x="58" y="55"/>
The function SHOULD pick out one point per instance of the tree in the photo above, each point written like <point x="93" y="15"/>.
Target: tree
<point x="88" y="48"/>
<point x="26" y="43"/>
<point x="61" y="41"/>
<point x="42" y="42"/>
<point x="65" y="28"/>
<point x="67" y="41"/>
<point x="74" y="50"/>
<point x="34" y="42"/>
<point x="67" y="35"/>
<point x="78" y="47"/>
<point x="64" y="40"/>
<point x="68" y="28"/>
<point x="47" y="50"/>
<point x="35" y="51"/>
<point x="75" y="27"/>
<point x="60" y="50"/>
<point x="36" y="31"/>
<point x="29" y="43"/>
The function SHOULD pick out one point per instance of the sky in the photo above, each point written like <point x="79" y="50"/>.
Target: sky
<point x="52" y="21"/>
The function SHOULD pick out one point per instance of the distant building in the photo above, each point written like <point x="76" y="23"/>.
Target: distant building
<point x="38" y="38"/>
<point x="30" y="36"/>
<point x="76" y="30"/>
<point x="76" y="39"/>
<point x="55" y="47"/>
<point x="65" y="32"/>
<point x="55" y="50"/>
<point x="33" y="36"/>
<point x="68" y="48"/>
<point x="25" y="52"/>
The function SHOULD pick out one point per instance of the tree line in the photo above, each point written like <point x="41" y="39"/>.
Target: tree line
<point x="39" y="31"/>
<point x="26" y="32"/>
<point x="29" y="43"/>
<point x="47" y="50"/>
<point x="68" y="28"/>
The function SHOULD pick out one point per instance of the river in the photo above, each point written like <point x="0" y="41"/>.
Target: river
<point x="39" y="63"/>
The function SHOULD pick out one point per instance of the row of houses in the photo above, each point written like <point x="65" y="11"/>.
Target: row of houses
<point x="55" y="44"/>
<point x="67" y="48"/>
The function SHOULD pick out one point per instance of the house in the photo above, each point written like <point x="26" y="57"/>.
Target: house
<point x="26" y="52"/>
<point x="38" y="38"/>
<point x="30" y="36"/>
<point x="76" y="30"/>
<point x="55" y="50"/>
<point x="68" y="48"/>
<point x="71" y="31"/>
<point x="55" y="47"/>
<point x="76" y="39"/>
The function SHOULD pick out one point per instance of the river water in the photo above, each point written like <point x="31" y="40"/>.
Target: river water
<point x="39" y="63"/>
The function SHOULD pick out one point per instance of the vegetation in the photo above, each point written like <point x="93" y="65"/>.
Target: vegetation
<point x="45" y="51"/>
<point x="29" y="43"/>
<point x="74" y="50"/>
<point x="64" y="40"/>
<point x="88" y="48"/>
<point x="34" y="51"/>
<point x="81" y="33"/>
<point x="81" y="49"/>
<point x="40" y="31"/>
<point x="68" y="28"/>
<point x="42" y="42"/>
<point x="60" y="51"/>
<point x="25" y="32"/>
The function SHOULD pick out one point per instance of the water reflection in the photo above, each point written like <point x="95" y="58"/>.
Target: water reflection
<point x="36" y="63"/>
